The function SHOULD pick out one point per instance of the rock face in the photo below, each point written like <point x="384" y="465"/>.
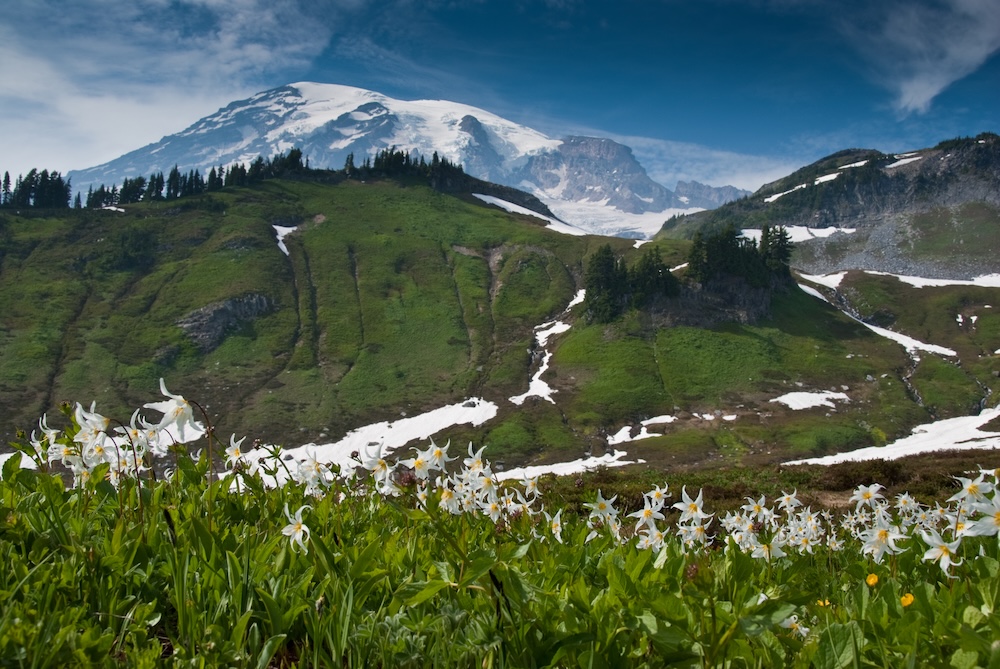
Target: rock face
<point x="694" y="194"/>
<point x="594" y="169"/>
<point x="208" y="326"/>
<point x="727" y="300"/>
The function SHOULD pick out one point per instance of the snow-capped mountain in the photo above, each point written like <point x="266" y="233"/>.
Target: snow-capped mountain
<point x="595" y="183"/>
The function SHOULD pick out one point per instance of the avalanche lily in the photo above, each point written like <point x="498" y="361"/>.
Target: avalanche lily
<point x="296" y="530"/>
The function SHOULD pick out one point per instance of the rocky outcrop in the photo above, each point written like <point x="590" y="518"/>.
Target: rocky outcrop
<point x="208" y="326"/>
<point x="695" y="194"/>
<point x="727" y="300"/>
<point x="595" y="169"/>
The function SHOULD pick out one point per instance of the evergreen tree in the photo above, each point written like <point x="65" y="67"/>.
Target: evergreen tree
<point x="5" y="197"/>
<point x="776" y="248"/>
<point x="174" y="184"/>
<point x="697" y="260"/>
<point x="605" y="282"/>
<point x="77" y="204"/>
<point x="650" y="279"/>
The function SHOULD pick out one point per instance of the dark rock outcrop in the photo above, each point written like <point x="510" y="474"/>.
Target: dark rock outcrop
<point x="208" y="326"/>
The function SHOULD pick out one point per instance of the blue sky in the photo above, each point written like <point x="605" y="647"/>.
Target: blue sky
<point x="723" y="91"/>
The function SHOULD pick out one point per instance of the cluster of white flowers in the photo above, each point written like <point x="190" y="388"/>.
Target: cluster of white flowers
<point x="756" y="528"/>
<point x="123" y="447"/>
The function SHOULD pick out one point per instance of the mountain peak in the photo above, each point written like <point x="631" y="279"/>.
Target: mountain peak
<point x="330" y="121"/>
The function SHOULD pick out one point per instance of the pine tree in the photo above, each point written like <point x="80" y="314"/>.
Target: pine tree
<point x="605" y="282"/>
<point x="5" y="197"/>
<point x="174" y="184"/>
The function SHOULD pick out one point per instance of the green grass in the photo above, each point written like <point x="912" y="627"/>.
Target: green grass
<point x="971" y="228"/>
<point x="612" y="372"/>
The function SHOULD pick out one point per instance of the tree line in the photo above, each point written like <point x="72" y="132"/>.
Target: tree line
<point x="393" y="163"/>
<point x="41" y="190"/>
<point x="613" y="288"/>
<point x="51" y="190"/>
<point x="727" y="253"/>
<point x="179" y="184"/>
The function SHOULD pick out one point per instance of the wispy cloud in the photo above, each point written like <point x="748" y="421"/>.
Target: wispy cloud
<point x="919" y="49"/>
<point x="109" y="76"/>
<point x="668" y="162"/>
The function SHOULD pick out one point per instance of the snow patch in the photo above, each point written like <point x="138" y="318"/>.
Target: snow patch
<point x="909" y="343"/>
<point x="597" y="217"/>
<point x="985" y="281"/>
<point x="553" y="223"/>
<point x="903" y="160"/>
<point x="812" y="291"/>
<point x="771" y="198"/>
<point x="656" y="420"/>
<point x="282" y="232"/>
<point x="805" y="400"/>
<point x="800" y="233"/>
<point x="577" y="299"/>
<point x="825" y="178"/>
<point x="624" y="435"/>
<point x="391" y="435"/>
<point x="828" y="280"/>
<point x="565" y="468"/>
<point x="962" y="433"/>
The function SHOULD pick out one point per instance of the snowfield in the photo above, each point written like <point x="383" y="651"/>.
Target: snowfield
<point x="962" y="433"/>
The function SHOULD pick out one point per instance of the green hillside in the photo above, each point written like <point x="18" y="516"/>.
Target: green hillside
<point x="395" y="299"/>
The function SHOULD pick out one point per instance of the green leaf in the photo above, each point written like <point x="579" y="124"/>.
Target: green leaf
<point x="517" y="553"/>
<point x="275" y="615"/>
<point x="268" y="651"/>
<point x="766" y="618"/>
<point x="429" y="589"/>
<point x="477" y="569"/>
<point x="365" y="559"/>
<point x="838" y="646"/>
<point x="972" y="616"/>
<point x="964" y="659"/>
<point x="10" y="467"/>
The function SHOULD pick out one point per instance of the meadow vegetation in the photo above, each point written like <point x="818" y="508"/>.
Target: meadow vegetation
<point x="280" y="561"/>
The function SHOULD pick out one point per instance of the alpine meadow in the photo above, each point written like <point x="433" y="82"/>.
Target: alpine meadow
<point x="409" y="413"/>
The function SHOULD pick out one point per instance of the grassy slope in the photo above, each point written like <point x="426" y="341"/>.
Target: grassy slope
<point x="396" y="299"/>
<point x="384" y="305"/>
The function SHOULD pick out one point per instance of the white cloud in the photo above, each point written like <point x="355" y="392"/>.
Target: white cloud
<point x="113" y="76"/>
<point x="921" y="48"/>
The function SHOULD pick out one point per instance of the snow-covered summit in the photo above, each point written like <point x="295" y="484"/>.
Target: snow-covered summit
<point x="329" y="121"/>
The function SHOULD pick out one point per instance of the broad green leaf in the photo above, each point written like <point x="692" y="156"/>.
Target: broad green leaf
<point x="428" y="590"/>
<point x="964" y="659"/>
<point x="267" y="652"/>
<point x="839" y="645"/>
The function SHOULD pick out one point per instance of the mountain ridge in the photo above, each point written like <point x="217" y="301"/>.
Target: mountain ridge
<point x="329" y="121"/>
<point x="903" y="213"/>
